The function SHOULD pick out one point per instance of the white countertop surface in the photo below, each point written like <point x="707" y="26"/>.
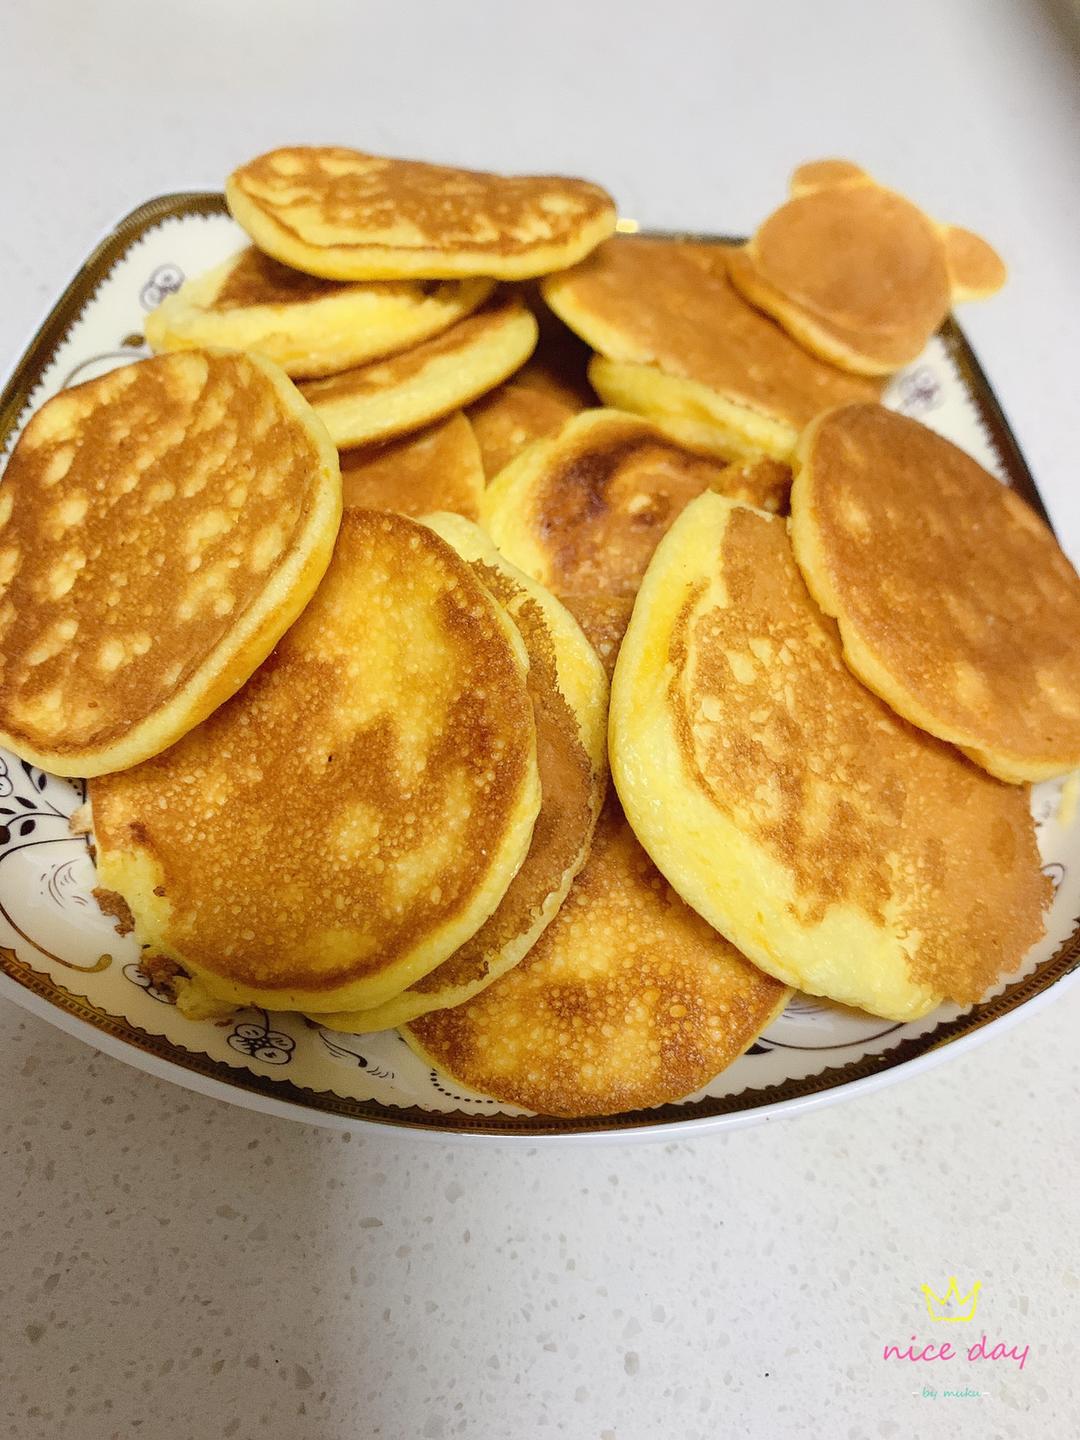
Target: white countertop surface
<point x="173" y="1267"/>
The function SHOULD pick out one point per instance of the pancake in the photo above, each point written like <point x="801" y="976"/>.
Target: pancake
<point x="350" y="216"/>
<point x="391" y="397"/>
<point x="857" y="274"/>
<point x="603" y="619"/>
<point x="699" y="352"/>
<point x="358" y="810"/>
<point x="307" y="326"/>
<point x="839" y="848"/>
<point x="763" y="483"/>
<point x="696" y="417"/>
<point x="569" y="695"/>
<point x="160" y="529"/>
<point x="534" y="403"/>
<point x="434" y="469"/>
<point x="955" y="603"/>
<point x="582" y="512"/>
<point x="627" y="1000"/>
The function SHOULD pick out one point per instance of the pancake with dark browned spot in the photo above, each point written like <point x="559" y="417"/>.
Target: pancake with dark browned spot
<point x="160" y="529"/>
<point x="841" y="849"/>
<point x="681" y="343"/>
<point x="568" y="690"/>
<point x="955" y="603"/>
<point x="307" y="326"/>
<point x="858" y="274"/>
<point x="400" y="394"/>
<point x="434" y="469"/>
<point x="352" y="216"/>
<point x="627" y="1000"/>
<point x="358" y="810"/>
<point x="583" y="511"/>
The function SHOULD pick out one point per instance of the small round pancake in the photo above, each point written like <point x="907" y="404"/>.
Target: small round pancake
<point x="435" y="469"/>
<point x="350" y="216"/>
<point x="702" y="353"/>
<point x="393" y="396"/>
<point x="358" y="810"/>
<point x="583" y="511"/>
<point x="842" y="850"/>
<point x="569" y="693"/>
<point x="307" y="326"/>
<point x="954" y="600"/>
<point x="160" y="529"/>
<point x="532" y="404"/>
<point x="856" y="273"/>
<point x="627" y="1000"/>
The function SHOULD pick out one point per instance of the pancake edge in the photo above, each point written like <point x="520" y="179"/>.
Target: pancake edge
<point x="308" y="339"/>
<point x="352" y="421"/>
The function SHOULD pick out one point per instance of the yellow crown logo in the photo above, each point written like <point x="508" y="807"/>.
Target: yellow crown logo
<point x="952" y="1305"/>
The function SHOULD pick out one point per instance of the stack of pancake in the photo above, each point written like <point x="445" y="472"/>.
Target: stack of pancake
<point x="326" y="599"/>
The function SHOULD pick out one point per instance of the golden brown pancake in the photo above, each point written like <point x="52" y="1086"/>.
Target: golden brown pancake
<point x="604" y="619"/>
<point x="682" y="344"/>
<point x="856" y="273"/>
<point x="532" y="404"/>
<point x="394" y="396"/>
<point x="350" y="216"/>
<point x="358" y="810"/>
<point x="839" y="848"/>
<point x="160" y="528"/>
<point x="954" y="600"/>
<point x="434" y="469"/>
<point x="307" y="326"/>
<point x="582" y="512"/>
<point x="568" y="689"/>
<point x="627" y="1000"/>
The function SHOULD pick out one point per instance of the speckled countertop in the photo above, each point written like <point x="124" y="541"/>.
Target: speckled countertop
<point x="172" y="1267"/>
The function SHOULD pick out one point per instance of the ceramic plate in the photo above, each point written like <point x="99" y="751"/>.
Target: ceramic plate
<point x="62" y="959"/>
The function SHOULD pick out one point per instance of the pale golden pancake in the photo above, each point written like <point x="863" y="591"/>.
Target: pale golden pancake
<point x="434" y="469"/>
<point x="856" y="273"/>
<point x="307" y="326"/>
<point x="954" y="600"/>
<point x="351" y="216"/>
<point x="627" y="1000"/>
<point x="160" y="528"/>
<point x="689" y="348"/>
<point x="358" y="810"/>
<point x="532" y="404"/>
<point x="393" y="396"/>
<point x="569" y="694"/>
<point x="841" y="849"/>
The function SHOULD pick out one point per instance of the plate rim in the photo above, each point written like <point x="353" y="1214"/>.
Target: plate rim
<point x="38" y="993"/>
